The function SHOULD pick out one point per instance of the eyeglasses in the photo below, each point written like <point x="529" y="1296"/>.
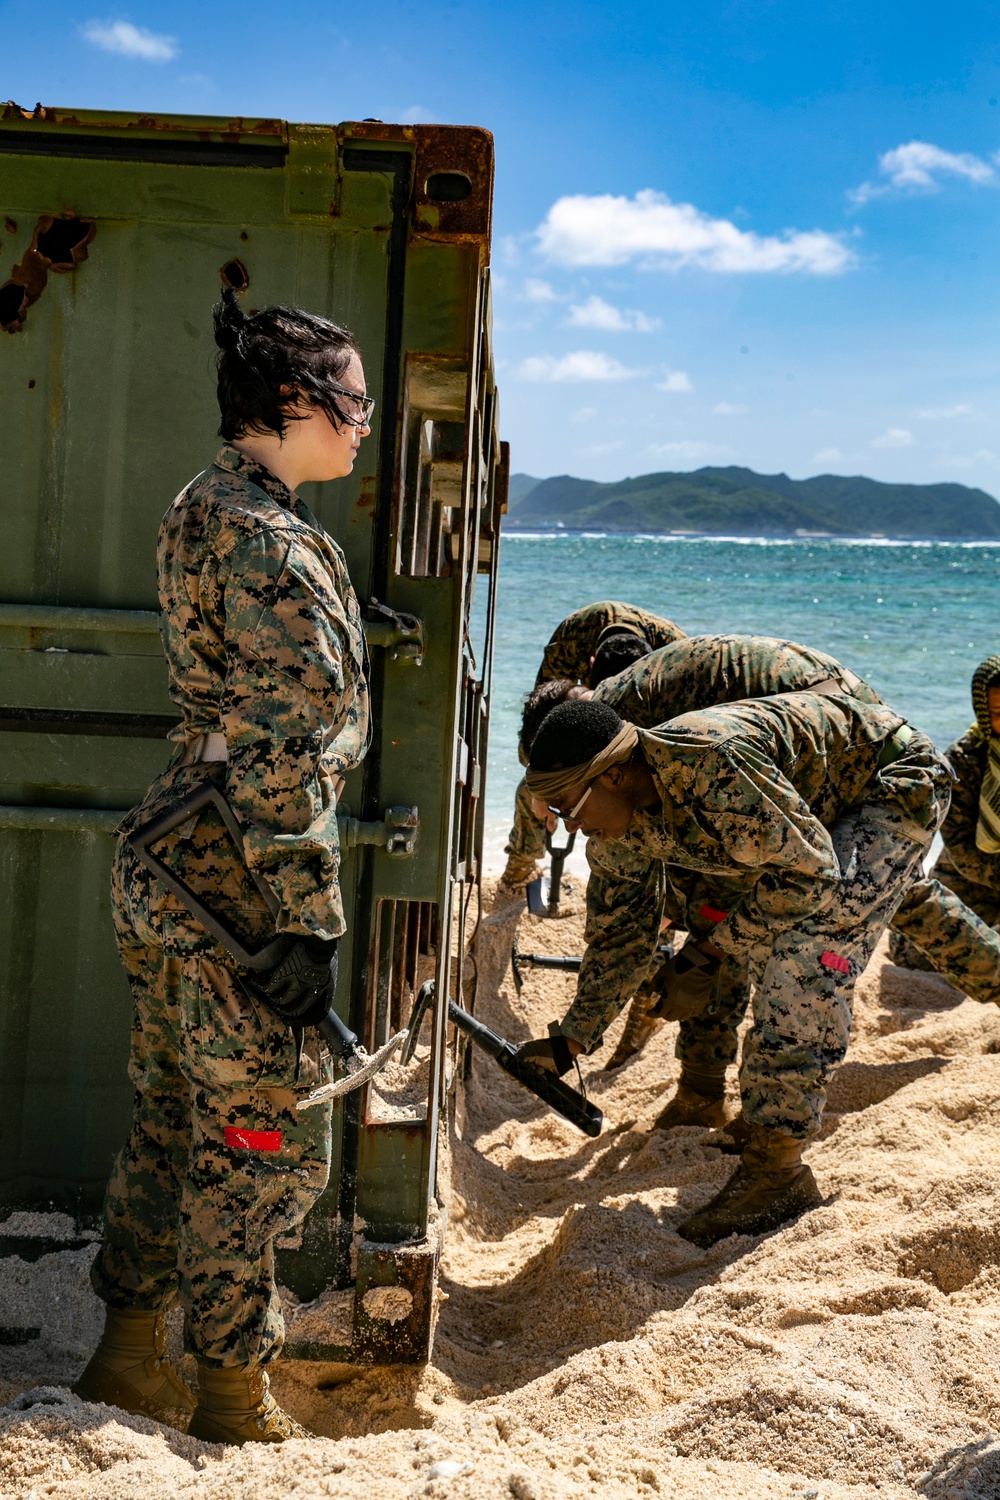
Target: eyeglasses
<point x="365" y="403"/>
<point x="570" y="817"/>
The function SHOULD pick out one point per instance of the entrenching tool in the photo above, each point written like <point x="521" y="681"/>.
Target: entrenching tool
<point x="543" y="893"/>
<point x="357" y="1064"/>
<point x="569" y="1103"/>
<point x="567" y="962"/>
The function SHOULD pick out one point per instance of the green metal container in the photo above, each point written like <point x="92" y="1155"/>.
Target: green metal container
<point x="119" y="232"/>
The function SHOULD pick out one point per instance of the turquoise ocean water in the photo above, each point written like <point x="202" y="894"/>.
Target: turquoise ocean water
<point x="914" y="618"/>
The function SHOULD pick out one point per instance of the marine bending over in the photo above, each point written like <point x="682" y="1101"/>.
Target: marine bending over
<point x="818" y="808"/>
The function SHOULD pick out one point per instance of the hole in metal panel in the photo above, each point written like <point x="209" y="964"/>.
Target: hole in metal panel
<point x="235" y="274"/>
<point x="13" y="306"/>
<point x="63" y="242"/>
<point x="448" y="187"/>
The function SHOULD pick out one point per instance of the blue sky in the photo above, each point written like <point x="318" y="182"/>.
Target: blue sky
<point x="761" y="233"/>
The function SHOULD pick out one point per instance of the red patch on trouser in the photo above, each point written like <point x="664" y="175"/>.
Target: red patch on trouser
<point x="835" y="961"/>
<point x="712" y="914"/>
<point x="253" y="1140"/>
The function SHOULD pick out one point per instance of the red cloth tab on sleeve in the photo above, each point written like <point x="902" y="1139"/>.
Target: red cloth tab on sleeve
<point x="253" y="1140"/>
<point x="835" y="961"/>
<point x="712" y="914"/>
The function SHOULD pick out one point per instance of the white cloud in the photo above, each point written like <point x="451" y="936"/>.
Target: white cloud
<point x="688" y="450"/>
<point x="728" y="409"/>
<point x="585" y="364"/>
<point x="944" y="413"/>
<point x="585" y="414"/>
<point x="827" y="456"/>
<point x="605" y="230"/>
<point x="130" y="41"/>
<point x="676" y="381"/>
<point x="603" y="447"/>
<point x="596" y="313"/>
<point x="538" y="291"/>
<point x="893" y="437"/>
<point x="918" y="166"/>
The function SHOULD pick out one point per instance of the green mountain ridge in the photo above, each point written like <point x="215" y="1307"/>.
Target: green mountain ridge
<point x="738" y="502"/>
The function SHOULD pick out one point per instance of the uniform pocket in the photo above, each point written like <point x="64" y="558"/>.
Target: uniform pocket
<point x="227" y="1040"/>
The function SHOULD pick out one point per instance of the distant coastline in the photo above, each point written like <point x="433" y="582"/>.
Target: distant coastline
<point x="735" y="502"/>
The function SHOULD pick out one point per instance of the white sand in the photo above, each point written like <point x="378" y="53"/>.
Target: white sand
<point x="585" y="1349"/>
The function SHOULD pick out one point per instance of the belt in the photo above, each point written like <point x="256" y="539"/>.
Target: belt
<point x="895" y="746"/>
<point x="206" y="747"/>
<point x="847" y="682"/>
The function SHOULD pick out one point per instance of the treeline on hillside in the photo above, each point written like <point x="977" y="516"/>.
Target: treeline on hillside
<point x="738" y="502"/>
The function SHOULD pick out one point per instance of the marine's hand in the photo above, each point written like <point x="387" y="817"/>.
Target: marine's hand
<point x="300" y="987"/>
<point x="685" y="984"/>
<point x="554" y="1054"/>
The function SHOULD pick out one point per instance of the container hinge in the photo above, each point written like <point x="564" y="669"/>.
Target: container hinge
<point x="401" y="635"/>
<point x="396" y="834"/>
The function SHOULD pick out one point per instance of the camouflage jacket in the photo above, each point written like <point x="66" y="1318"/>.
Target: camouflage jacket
<point x="968" y="760"/>
<point x="748" y="792"/>
<point x="704" y="670"/>
<point x="264" y="641"/>
<point x="574" y="642"/>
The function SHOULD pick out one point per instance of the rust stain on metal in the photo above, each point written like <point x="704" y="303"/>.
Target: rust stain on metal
<point x="443" y="154"/>
<point x="369" y="492"/>
<point x="58" y="244"/>
<point x="10" y="225"/>
<point x="14" y="111"/>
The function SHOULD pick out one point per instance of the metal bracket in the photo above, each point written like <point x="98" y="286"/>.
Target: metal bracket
<point x="400" y="634"/>
<point x="396" y="834"/>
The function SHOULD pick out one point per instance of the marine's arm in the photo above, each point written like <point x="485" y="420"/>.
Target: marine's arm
<point x="764" y="830"/>
<point x="292" y="677"/>
<point x="959" y="827"/>
<point x="625" y="901"/>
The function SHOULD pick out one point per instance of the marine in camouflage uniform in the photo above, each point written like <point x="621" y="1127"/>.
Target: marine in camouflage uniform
<point x="785" y="799"/>
<point x="823" y="806"/>
<point x="568" y="655"/>
<point x="966" y="872"/>
<point x="705" y="670"/>
<point x="265" y="648"/>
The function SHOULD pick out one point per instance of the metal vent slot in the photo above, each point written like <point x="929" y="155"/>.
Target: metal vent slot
<point x="406" y="943"/>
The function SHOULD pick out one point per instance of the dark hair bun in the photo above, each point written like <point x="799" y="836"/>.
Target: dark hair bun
<point x="230" y="319"/>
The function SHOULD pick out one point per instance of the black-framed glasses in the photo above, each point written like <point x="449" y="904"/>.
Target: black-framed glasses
<point x="366" y="404"/>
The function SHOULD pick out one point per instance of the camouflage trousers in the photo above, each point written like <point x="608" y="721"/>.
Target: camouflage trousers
<point x="804" y="981"/>
<point x="218" y="1161"/>
<point x="949" y="924"/>
<point x="527" y="837"/>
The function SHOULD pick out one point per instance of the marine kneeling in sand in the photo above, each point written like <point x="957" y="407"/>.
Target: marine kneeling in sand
<point x="819" y="809"/>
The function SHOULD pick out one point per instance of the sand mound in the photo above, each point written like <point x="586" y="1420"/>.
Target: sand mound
<point x="585" y="1349"/>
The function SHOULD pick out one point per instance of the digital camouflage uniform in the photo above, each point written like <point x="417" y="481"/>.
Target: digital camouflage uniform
<point x="264" y="644"/>
<point x="700" y="672"/>
<point x="705" y="670"/>
<point x="785" y="797"/>
<point x="965" y="875"/>
<point x="568" y="654"/>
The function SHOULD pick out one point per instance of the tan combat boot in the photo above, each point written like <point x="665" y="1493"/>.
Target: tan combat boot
<point x="235" y="1405"/>
<point x="638" y="1029"/>
<point x="771" y="1186"/>
<point x="700" y="1099"/>
<point x="519" y="871"/>
<point x="130" y="1369"/>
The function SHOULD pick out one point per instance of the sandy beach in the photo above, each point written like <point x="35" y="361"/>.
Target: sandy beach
<point x="583" y="1348"/>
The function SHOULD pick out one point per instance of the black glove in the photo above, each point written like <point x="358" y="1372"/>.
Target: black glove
<point x="685" y="985"/>
<point x="550" y="1053"/>
<point x="301" y="986"/>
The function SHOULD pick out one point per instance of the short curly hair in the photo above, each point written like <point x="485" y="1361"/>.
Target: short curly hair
<point x="573" y="733"/>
